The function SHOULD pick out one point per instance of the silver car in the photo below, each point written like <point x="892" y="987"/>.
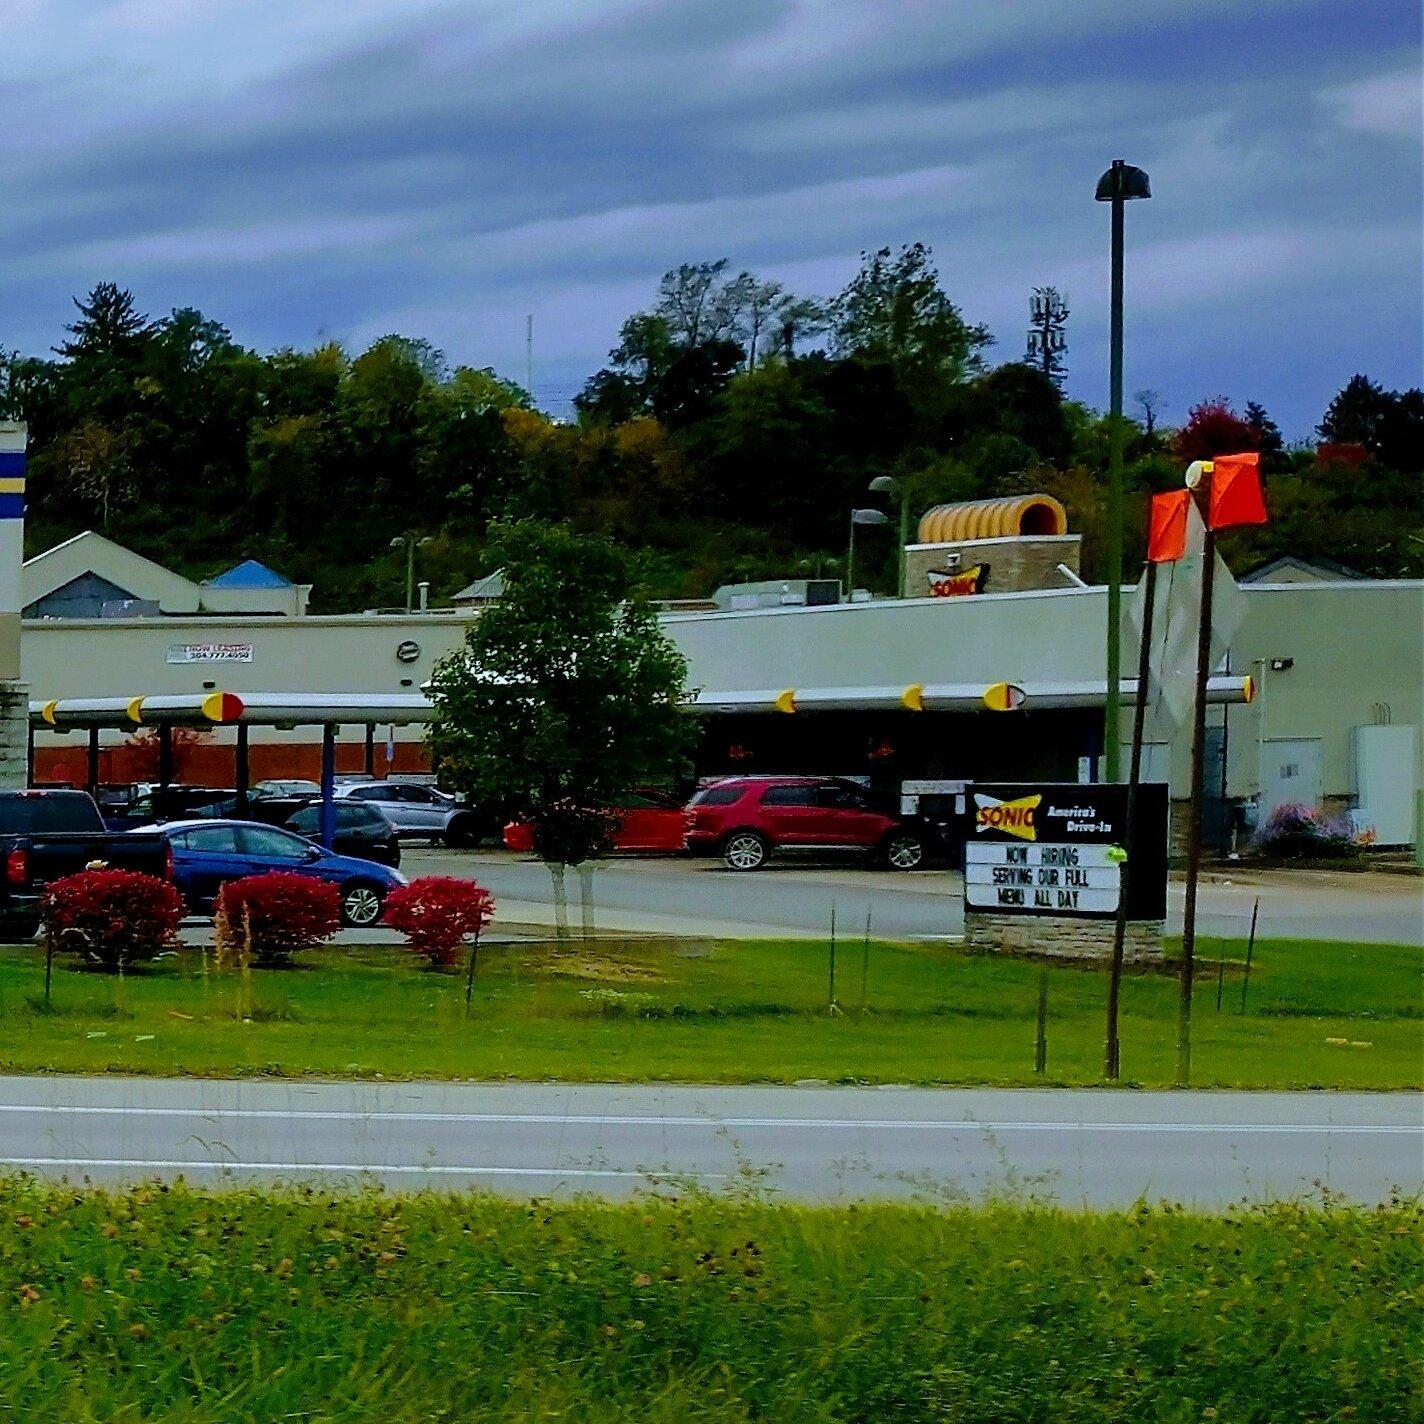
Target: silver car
<point x="417" y="812"/>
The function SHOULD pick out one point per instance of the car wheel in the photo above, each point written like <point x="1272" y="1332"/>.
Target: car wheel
<point x="361" y="905"/>
<point x="460" y="833"/>
<point x="744" y="850"/>
<point x="904" y="851"/>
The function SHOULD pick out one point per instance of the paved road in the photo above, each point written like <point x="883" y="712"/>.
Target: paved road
<point x="699" y="897"/>
<point x="1097" y="1148"/>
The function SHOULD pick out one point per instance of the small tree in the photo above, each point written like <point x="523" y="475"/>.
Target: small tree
<point x="564" y="697"/>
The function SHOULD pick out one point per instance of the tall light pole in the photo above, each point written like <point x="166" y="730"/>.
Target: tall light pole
<point x="1119" y="185"/>
<point x="410" y="543"/>
<point x="859" y="516"/>
<point x="897" y="489"/>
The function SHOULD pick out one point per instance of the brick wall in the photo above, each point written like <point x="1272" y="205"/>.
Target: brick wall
<point x="1015" y="564"/>
<point x="1058" y="937"/>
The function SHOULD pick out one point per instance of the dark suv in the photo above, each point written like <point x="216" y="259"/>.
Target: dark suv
<point x="745" y="818"/>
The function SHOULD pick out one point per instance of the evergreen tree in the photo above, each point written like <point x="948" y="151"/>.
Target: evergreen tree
<point x="109" y="325"/>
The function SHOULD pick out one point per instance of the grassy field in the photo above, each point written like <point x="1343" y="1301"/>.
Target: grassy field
<point x="1317" y="1014"/>
<point x="168" y="1305"/>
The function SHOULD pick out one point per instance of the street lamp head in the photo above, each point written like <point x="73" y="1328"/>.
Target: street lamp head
<point x="882" y="484"/>
<point x="1123" y="181"/>
<point x="398" y="542"/>
<point x="868" y="516"/>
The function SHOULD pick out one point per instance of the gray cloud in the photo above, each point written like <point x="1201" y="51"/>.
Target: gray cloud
<point x="353" y="166"/>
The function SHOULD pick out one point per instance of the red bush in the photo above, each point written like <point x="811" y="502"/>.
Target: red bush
<point x="283" y="913"/>
<point x="438" y="913"/>
<point x="112" y="917"/>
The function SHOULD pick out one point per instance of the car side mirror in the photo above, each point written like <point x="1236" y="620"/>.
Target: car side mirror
<point x="313" y="852"/>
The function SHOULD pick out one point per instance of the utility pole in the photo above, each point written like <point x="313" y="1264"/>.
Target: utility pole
<point x="1119" y="184"/>
<point x="529" y="356"/>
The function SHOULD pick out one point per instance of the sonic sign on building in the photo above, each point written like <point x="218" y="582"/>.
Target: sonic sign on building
<point x="1057" y="849"/>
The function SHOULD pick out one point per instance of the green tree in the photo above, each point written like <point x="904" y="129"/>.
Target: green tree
<point x="564" y="697"/>
<point x="895" y="310"/>
<point x="1388" y="424"/>
<point x="110" y="326"/>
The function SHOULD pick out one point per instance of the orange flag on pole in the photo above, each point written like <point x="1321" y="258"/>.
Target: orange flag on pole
<point x="1236" y="494"/>
<point x="1167" y="526"/>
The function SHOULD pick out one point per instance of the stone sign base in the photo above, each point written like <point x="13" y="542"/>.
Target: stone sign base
<point x="14" y="736"/>
<point x="1059" y="937"/>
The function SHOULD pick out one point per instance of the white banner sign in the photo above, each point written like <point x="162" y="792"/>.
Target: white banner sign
<point x="209" y="652"/>
<point x="1080" y="856"/>
<point x="1058" y="879"/>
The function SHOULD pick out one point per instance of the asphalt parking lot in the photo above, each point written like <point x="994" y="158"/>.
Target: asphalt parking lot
<point x="675" y="895"/>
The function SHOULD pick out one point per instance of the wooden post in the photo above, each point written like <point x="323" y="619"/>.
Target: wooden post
<point x="1194" y="809"/>
<point x="1111" y="1048"/>
<point x="1250" y="947"/>
<point x="470" y="972"/>
<point x="1040" y="1046"/>
<point x="865" y="960"/>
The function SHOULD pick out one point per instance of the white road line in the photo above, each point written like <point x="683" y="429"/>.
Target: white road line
<point x="418" y="1170"/>
<point x="714" y="1123"/>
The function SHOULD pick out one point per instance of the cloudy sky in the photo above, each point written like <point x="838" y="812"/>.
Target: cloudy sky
<point x="304" y="169"/>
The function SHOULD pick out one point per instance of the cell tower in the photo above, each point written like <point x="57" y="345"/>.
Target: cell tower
<point x="1048" y="333"/>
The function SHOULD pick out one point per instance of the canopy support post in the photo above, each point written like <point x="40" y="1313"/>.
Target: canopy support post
<point x="328" y="784"/>
<point x="242" y="780"/>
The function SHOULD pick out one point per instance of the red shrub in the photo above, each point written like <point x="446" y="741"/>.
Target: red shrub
<point x="112" y="917"/>
<point x="282" y="912"/>
<point x="438" y="913"/>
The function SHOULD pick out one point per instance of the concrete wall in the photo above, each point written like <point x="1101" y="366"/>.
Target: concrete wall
<point x="1357" y="652"/>
<point x="1356" y="648"/>
<point x="1013" y="637"/>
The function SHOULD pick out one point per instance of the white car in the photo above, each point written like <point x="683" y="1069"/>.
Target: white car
<point x="417" y="812"/>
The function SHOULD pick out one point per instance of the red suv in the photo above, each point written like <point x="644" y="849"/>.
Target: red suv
<point x="745" y="818"/>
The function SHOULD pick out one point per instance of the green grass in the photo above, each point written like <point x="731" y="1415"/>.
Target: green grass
<point x="724" y="1012"/>
<point x="174" y="1307"/>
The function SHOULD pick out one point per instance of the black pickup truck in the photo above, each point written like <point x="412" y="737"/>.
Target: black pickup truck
<point x="48" y="834"/>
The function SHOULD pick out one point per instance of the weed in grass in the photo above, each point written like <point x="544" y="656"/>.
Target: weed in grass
<point x="168" y="1305"/>
<point x="734" y="1012"/>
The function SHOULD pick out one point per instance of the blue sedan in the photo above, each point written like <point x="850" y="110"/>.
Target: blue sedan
<point x="207" y="854"/>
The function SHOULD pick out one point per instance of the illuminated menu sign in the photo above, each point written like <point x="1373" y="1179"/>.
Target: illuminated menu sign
<point x="1057" y="849"/>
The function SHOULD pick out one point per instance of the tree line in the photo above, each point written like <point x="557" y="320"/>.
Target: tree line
<point x="732" y="428"/>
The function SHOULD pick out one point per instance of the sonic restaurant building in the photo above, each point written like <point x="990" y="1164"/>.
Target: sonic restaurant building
<point x="891" y="690"/>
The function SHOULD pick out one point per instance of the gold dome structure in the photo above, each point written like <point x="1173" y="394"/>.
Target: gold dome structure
<point x="1020" y="516"/>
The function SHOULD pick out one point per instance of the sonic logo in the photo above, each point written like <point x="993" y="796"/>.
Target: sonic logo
<point x="957" y="583"/>
<point x="1013" y="818"/>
